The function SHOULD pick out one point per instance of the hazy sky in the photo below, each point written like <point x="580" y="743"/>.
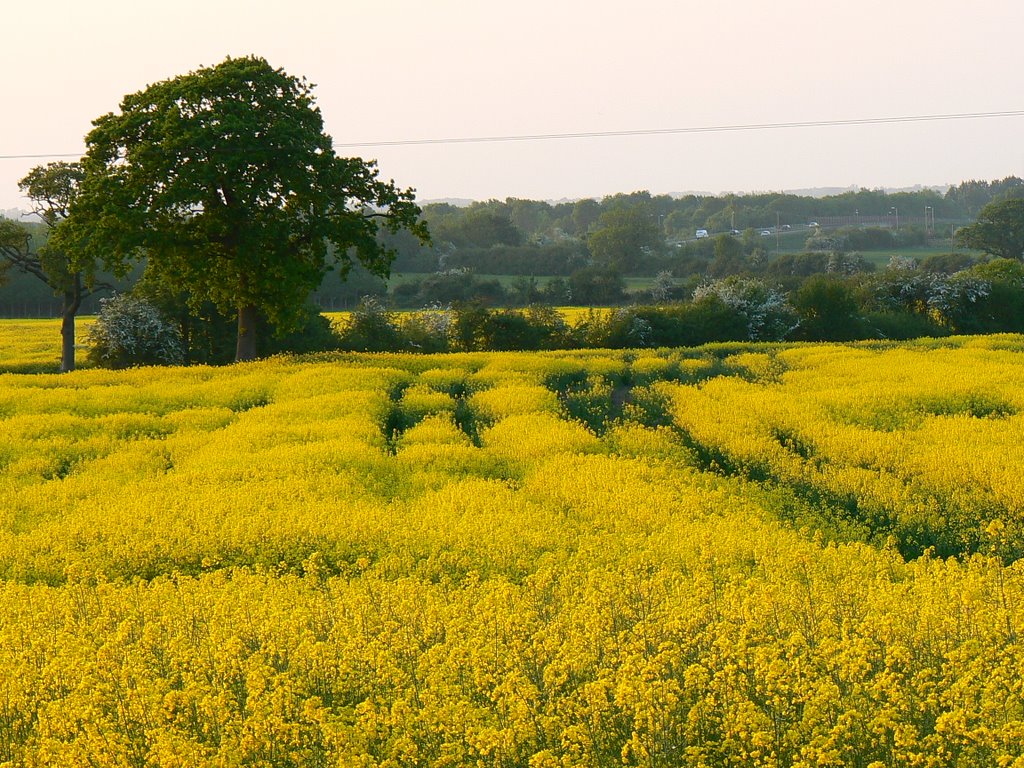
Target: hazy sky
<point x="396" y="70"/>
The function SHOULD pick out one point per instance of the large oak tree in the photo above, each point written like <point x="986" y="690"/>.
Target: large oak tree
<point x="225" y="182"/>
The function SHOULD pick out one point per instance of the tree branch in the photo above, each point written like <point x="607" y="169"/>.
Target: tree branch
<point x="96" y="288"/>
<point x="25" y="262"/>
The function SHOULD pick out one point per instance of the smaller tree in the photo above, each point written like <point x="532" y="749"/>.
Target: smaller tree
<point x="999" y="230"/>
<point x="483" y="227"/>
<point x="728" y="257"/>
<point x="625" y="237"/>
<point x="52" y="188"/>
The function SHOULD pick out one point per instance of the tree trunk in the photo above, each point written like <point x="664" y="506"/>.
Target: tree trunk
<point x="72" y="301"/>
<point x="245" y="349"/>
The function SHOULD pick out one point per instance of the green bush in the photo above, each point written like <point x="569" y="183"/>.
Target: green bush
<point x="370" y="328"/>
<point x="898" y="326"/>
<point x="828" y="310"/>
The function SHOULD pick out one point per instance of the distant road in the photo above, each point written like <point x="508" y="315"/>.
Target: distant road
<point x="792" y="228"/>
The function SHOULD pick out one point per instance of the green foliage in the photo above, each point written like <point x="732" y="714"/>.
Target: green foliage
<point x="817" y="263"/>
<point x="625" y="237"/>
<point x="312" y="333"/>
<point x="370" y="328"/>
<point x="828" y="310"/>
<point x="559" y="258"/>
<point x="537" y="327"/>
<point x="902" y="325"/>
<point x="555" y="236"/>
<point x="729" y="257"/>
<point x="947" y="300"/>
<point x="469" y="326"/>
<point x="426" y="330"/>
<point x="999" y="230"/>
<point x="507" y="330"/>
<point x="239" y="217"/>
<point x="13" y="238"/>
<point x="1009" y="272"/>
<point x="971" y="196"/>
<point x="53" y="188"/>
<point x="665" y="287"/>
<point x="621" y="329"/>
<point x="1002" y="309"/>
<point x="948" y="263"/>
<point x="846" y="239"/>
<point x="481" y="227"/>
<point x="448" y="287"/>
<point x="596" y="286"/>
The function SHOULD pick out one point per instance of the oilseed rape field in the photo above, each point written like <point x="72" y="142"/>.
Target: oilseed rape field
<point x="739" y="555"/>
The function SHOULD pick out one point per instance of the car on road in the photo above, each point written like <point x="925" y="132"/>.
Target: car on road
<point x="766" y="233"/>
<point x="701" y="233"/>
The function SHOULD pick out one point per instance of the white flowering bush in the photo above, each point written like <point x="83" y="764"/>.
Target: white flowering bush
<point x="943" y="298"/>
<point x="428" y="329"/>
<point x="664" y="285"/>
<point x="130" y="332"/>
<point x="436" y="318"/>
<point x="767" y="312"/>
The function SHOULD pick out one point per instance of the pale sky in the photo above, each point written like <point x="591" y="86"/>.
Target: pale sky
<point x="399" y="70"/>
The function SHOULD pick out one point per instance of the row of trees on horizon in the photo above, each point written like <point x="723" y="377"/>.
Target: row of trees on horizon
<point x="601" y="242"/>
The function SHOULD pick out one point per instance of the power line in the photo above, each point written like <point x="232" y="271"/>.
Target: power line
<point x="699" y="129"/>
<point x="632" y="132"/>
<point x="42" y="156"/>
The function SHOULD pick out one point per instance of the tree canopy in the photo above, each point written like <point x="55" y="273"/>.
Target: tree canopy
<point x="999" y="230"/>
<point x="624" y="234"/>
<point x="225" y="182"/>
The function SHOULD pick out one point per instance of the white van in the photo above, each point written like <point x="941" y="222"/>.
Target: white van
<point x="701" y="233"/>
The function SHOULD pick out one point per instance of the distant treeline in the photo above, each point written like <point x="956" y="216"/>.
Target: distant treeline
<point x="530" y="223"/>
<point x="592" y="244"/>
<point x="583" y="249"/>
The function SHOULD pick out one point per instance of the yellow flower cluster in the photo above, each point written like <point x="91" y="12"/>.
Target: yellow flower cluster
<point x="922" y="441"/>
<point x="28" y="346"/>
<point x="396" y="560"/>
